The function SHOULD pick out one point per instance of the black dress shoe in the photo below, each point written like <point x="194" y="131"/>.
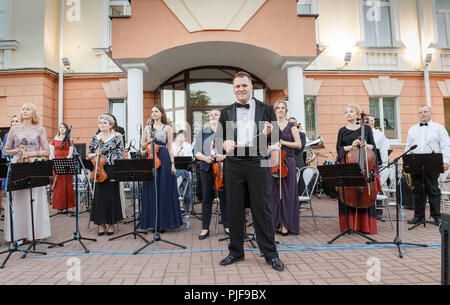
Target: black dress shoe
<point x="437" y="221"/>
<point x="202" y="237"/>
<point x="276" y="264"/>
<point x="101" y="233"/>
<point x="414" y="220"/>
<point x="230" y="259"/>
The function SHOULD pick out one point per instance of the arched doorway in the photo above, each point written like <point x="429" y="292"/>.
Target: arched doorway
<point x="189" y="95"/>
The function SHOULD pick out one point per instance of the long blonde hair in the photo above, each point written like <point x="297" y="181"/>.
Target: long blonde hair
<point x="35" y="119"/>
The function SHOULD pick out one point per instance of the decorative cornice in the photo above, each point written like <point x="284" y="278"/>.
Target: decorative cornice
<point x="142" y="66"/>
<point x="383" y="86"/>
<point x="116" y="89"/>
<point x="8" y="44"/>
<point x="445" y="87"/>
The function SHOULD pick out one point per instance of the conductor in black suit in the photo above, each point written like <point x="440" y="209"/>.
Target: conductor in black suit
<point x="243" y="132"/>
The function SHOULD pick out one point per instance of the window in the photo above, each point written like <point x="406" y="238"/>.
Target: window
<point x="173" y="101"/>
<point x="377" y="23"/>
<point x="310" y="127"/>
<point x="386" y="110"/>
<point x="304" y="7"/>
<point x="443" y="22"/>
<point x="118" y="108"/>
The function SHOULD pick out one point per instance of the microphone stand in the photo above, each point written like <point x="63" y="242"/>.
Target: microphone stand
<point x="397" y="240"/>
<point x="156" y="236"/>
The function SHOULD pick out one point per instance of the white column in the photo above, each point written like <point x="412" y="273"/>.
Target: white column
<point x="295" y="90"/>
<point x="135" y="101"/>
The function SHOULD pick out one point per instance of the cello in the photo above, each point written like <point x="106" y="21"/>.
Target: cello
<point x="361" y="196"/>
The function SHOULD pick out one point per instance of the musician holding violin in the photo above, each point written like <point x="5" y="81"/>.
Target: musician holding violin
<point x="351" y="144"/>
<point x="168" y="204"/>
<point x="27" y="141"/>
<point x="63" y="194"/>
<point x="211" y="173"/>
<point x="283" y="182"/>
<point x="104" y="149"/>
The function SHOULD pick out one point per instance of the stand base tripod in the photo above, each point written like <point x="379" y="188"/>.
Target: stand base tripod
<point x="34" y="243"/>
<point x="16" y="249"/>
<point x="423" y="222"/>
<point x="76" y="238"/>
<point x="397" y="241"/>
<point x="66" y="212"/>
<point x="349" y="231"/>
<point x="157" y="237"/>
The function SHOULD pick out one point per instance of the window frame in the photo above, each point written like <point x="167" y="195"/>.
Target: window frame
<point x="112" y="101"/>
<point x="446" y="13"/>
<point x="316" y="121"/>
<point x="398" y="124"/>
<point x="395" y="26"/>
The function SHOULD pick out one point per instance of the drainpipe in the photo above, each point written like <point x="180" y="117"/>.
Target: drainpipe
<point x="426" y="75"/>
<point x="61" y="66"/>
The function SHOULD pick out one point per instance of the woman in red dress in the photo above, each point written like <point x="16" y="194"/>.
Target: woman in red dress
<point x="63" y="194"/>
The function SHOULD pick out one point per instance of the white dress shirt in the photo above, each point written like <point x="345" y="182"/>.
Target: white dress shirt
<point x="245" y="124"/>
<point x="185" y="150"/>
<point x="382" y="144"/>
<point x="429" y="139"/>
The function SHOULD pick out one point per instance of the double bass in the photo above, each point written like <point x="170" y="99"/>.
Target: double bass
<point x="361" y="196"/>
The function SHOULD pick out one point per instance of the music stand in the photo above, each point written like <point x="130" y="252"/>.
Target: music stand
<point x="72" y="167"/>
<point x="342" y="175"/>
<point x="64" y="167"/>
<point x="28" y="176"/>
<point x="134" y="171"/>
<point x="156" y="236"/>
<point x="419" y="164"/>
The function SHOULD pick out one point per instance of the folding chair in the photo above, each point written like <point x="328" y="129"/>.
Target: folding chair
<point x="310" y="177"/>
<point x="390" y="190"/>
<point x="384" y="198"/>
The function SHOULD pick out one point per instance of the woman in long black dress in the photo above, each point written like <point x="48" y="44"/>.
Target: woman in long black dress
<point x="363" y="220"/>
<point x="285" y="210"/>
<point x="106" y="210"/>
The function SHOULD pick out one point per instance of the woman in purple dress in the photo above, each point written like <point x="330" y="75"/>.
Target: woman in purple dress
<point x="285" y="211"/>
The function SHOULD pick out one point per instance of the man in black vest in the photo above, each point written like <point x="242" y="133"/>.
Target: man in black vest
<point x="243" y="130"/>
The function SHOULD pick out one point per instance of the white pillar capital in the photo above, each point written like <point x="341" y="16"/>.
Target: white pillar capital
<point x="142" y="66"/>
<point x="293" y="63"/>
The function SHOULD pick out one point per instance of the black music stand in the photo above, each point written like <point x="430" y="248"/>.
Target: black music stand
<point x="397" y="240"/>
<point x="72" y="167"/>
<point x="419" y="164"/>
<point x="342" y="175"/>
<point x="64" y="167"/>
<point x="134" y="171"/>
<point x="156" y="236"/>
<point x="28" y="176"/>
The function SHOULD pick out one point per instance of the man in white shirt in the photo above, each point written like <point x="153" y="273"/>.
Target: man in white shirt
<point x="430" y="137"/>
<point x="181" y="148"/>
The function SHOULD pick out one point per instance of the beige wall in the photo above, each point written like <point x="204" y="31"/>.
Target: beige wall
<point x="28" y="29"/>
<point x="51" y="34"/>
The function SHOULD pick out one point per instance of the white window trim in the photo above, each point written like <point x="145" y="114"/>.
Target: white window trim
<point x="436" y="28"/>
<point x="395" y="26"/>
<point x="397" y="110"/>
<point x="120" y="100"/>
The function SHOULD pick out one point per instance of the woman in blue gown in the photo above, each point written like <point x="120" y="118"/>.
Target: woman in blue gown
<point x="168" y="208"/>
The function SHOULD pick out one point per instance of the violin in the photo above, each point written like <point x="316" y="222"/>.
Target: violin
<point x="361" y="196"/>
<point x="150" y="154"/>
<point x="24" y="142"/>
<point x="279" y="170"/>
<point x="99" y="175"/>
<point x="217" y="168"/>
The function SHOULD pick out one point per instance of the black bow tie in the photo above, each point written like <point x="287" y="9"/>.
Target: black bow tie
<point x="246" y="106"/>
<point x="423" y="124"/>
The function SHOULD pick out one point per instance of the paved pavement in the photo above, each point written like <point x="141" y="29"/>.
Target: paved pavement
<point x="308" y="258"/>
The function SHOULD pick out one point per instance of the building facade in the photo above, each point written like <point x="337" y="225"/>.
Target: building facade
<point x="76" y="59"/>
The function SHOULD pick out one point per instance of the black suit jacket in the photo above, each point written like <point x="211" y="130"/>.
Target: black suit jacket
<point x="228" y="131"/>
